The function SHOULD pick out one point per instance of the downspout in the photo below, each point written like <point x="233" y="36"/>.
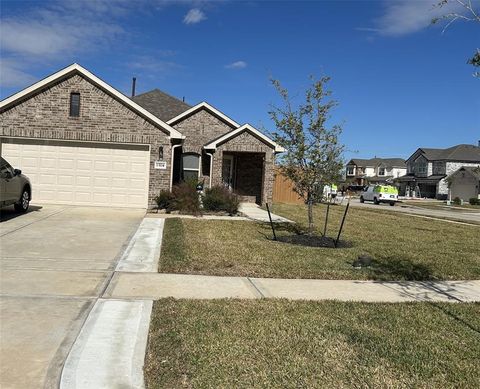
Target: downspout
<point x="211" y="168"/>
<point x="171" y="164"/>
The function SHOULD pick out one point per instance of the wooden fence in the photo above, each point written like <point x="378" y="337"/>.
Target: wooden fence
<point x="283" y="190"/>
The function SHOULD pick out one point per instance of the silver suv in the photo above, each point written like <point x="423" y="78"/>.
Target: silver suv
<point x="15" y="188"/>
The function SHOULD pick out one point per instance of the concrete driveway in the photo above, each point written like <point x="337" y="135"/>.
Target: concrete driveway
<point x="55" y="262"/>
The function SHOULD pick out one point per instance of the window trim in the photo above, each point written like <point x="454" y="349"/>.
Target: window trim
<point x="71" y="104"/>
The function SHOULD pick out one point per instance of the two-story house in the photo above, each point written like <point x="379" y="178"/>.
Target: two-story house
<point x="374" y="170"/>
<point x="428" y="169"/>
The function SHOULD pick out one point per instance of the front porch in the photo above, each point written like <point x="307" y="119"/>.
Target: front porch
<point x="243" y="173"/>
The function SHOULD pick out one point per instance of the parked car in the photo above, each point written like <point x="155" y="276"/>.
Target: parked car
<point x="15" y="188"/>
<point x="380" y="194"/>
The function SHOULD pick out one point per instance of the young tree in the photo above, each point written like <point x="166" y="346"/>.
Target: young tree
<point x="466" y="13"/>
<point x="313" y="156"/>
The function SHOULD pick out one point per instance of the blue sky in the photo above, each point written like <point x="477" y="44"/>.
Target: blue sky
<point x="400" y="82"/>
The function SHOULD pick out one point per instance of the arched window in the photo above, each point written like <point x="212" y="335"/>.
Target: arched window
<point x="190" y="166"/>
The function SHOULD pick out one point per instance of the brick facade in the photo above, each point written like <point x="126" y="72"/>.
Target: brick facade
<point x="105" y="119"/>
<point x="202" y="127"/>
<point x="245" y="142"/>
<point x="102" y="119"/>
<point x="199" y="129"/>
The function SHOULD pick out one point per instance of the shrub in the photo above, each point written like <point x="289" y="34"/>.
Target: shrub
<point x="474" y="201"/>
<point x="164" y="200"/>
<point x="219" y="198"/>
<point x="185" y="198"/>
<point x="457" y="201"/>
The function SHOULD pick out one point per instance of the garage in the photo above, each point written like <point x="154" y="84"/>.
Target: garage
<point x="465" y="183"/>
<point x="82" y="173"/>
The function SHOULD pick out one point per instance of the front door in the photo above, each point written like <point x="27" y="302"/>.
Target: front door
<point x="227" y="171"/>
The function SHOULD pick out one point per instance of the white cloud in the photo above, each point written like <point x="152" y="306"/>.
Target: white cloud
<point x="153" y="67"/>
<point x="237" y="65"/>
<point x="12" y="76"/>
<point x="58" y="31"/>
<point x="194" y="16"/>
<point x="402" y="17"/>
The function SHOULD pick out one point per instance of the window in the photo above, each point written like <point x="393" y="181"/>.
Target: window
<point x="438" y="167"/>
<point x="190" y="166"/>
<point x="381" y="171"/>
<point x="350" y="170"/>
<point x="75" y="104"/>
<point x="421" y="167"/>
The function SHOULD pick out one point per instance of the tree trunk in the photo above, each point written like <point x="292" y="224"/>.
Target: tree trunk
<point x="311" y="226"/>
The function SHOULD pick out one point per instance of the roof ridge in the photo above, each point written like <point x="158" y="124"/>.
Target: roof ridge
<point x="163" y="92"/>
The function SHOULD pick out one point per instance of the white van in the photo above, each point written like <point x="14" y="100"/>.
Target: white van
<point x="380" y="194"/>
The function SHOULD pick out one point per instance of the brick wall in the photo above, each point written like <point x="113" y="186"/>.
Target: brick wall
<point x="246" y="142"/>
<point x="102" y="119"/>
<point x="199" y="129"/>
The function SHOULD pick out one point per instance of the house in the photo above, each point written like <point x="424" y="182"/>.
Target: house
<point x="82" y="142"/>
<point x="427" y="169"/>
<point x="465" y="183"/>
<point x="374" y="170"/>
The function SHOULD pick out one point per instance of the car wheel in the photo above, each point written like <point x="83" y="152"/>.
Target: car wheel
<point x="23" y="204"/>
<point x="392" y="203"/>
<point x="362" y="200"/>
<point x="375" y="201"/>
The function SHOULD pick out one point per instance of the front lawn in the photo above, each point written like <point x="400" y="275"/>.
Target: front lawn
<point x="293" y="344"/>
<point x="403" y="247"/>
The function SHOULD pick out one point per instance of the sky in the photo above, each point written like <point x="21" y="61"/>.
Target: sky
<point x="400" y="82"/>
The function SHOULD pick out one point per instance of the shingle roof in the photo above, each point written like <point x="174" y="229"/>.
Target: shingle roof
<point x="465" y="153"/>
<point x="396" y="162"/>
<point x="474" y="170"/>
<point x="161" y="104"/>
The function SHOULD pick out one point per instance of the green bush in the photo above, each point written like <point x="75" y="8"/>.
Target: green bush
<point x="457" y="201"/>
<point x="164" y="200"/>
<point x="474" y="201"/>
<point x="185" y="198"/>
<point x="219" y="198"/>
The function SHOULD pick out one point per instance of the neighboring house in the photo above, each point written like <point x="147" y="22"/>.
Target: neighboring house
<point x="427" y="170"/>
<point x="465" y="183"/>
<point x="82" y="142"/>
<point x="374" y="170"/>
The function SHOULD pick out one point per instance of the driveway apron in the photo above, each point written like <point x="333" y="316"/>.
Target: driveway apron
<point x="55" y="263"/>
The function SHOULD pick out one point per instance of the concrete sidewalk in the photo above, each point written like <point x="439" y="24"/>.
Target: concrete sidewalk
<point x="156" y="286"/>
<point x="254" y="212"/>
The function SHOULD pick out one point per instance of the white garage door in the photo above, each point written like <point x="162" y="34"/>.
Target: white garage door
<point x="81" y="173"/>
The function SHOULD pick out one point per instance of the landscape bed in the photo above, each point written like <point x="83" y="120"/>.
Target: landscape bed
<point x="402" y="247"/>
<point x="280" y="343"/>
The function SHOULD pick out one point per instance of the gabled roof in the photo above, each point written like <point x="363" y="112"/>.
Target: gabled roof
<point x="250" y="129"/>
<point x="77" y="69"/>
<point x="393" y="162"/>
<point x="462" y="152"/>
<point x="473" y="170"/>
<point x="209" y="108"/>
<point x="161" y="104"/>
